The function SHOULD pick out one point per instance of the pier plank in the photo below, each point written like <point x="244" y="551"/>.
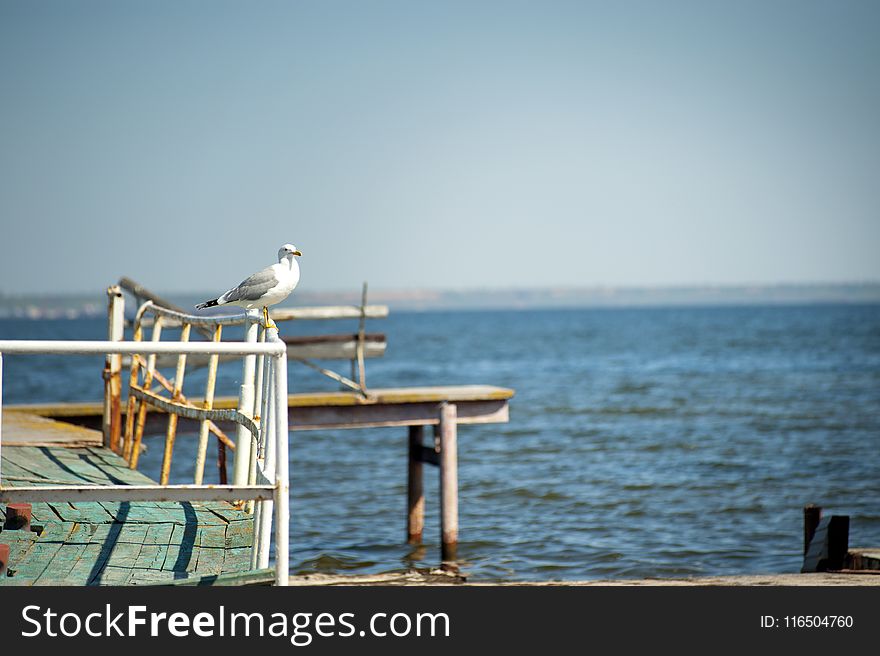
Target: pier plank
<point x="33" y="429"/>
<point x="61" y="565"/>
<point x="238" y="534"/>
<point x="56" y="531"/>
<point x="151" y="557"/>
<point x="31" y="567"/>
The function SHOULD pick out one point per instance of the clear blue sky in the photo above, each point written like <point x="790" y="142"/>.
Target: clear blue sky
<point x="438" y="144"/>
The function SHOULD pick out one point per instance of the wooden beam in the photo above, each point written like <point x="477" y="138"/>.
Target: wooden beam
<point x="329" y="312"/>
<point x="299" y="340"/>
<point x="398" y="395"/>
<point x="303" y="418"/>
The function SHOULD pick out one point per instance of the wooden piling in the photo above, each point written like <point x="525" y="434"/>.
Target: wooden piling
<point x="415" y="492"/>
<point x="447" y="430"/>
<point x="812" y="515"/>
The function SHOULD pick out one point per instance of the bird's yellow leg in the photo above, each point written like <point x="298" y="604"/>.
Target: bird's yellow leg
<point x="268" y="322"/>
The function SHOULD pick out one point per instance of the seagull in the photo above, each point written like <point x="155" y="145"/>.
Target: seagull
<point x="264" y="288"/>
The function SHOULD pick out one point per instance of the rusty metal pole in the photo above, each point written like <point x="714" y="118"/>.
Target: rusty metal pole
<point x="202" y="453"/>
<point x="128" y="439"/>
<point x="415" y="492"/>
<point x="113" y="369"/>
<point x="142" y="408"/>
<point x="171" y="432"/>
<point x="447" y="429"/>
<point x="4" y="558"/>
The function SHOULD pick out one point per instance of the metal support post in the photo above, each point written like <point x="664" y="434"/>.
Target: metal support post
<point x="245" y="404"/>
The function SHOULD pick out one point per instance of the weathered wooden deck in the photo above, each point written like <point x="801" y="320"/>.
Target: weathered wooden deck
<point x="92" y="543"/>
<point x="128" y="543"/>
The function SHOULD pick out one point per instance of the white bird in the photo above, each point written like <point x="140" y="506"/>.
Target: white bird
<point x="264" y="288"/>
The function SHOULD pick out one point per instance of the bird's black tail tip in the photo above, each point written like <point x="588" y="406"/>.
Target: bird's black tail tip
<point x="207" y="304"/>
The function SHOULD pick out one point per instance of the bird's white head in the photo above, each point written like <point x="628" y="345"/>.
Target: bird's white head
<point x="288" y="250"/>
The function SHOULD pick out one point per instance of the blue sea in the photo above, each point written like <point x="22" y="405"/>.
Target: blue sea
<point x="648" y="442"/>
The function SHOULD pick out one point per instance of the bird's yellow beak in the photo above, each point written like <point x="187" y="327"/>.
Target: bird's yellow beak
<point x="297" y="253"/>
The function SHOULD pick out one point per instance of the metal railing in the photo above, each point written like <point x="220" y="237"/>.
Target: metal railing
<point x="265" y="475"/>
<point x="141" y="395"/>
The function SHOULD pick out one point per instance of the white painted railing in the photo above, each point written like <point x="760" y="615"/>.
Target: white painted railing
<point x="268" y="478"/>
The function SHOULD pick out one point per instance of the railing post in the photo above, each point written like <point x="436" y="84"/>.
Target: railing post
<point x="265" y="509"/>
<point x="447" y="429"/>
<point x="202" y="452"/>
<point x="113" y="369"/>
<point x="155" y="337"/>
<point x="134" y="369"/>
<point x="245" y="405"/>
<point x="362" y="371"/>
<point x="257" y="414"/>
<point x="177" y="389"/>
<point x="282" y="470"/>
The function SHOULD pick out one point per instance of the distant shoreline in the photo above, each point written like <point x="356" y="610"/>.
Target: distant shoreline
<point x="74" y="306"/>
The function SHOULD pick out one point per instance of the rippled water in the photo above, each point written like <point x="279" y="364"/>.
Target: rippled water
<point x="642" y="442"/>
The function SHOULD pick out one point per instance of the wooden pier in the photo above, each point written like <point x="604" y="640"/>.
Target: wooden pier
<point x="413" y="408"/>
<point x="99" y="444"/>
<point x="105" y="543"/>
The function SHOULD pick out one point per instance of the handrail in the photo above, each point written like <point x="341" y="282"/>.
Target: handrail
<point x="196" y="413"/>
<point x="199" y="320"/>
<point x="89" y="347"/>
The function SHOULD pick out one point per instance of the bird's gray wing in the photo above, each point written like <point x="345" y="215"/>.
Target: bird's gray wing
<point x="251" y="288"/>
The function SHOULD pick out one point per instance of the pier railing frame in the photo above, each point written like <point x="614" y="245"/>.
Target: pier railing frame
<point x="268" y="479"/>
<point x="140" y="395"/>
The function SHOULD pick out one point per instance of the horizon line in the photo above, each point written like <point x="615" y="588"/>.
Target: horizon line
<point x="513" y="288"/>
